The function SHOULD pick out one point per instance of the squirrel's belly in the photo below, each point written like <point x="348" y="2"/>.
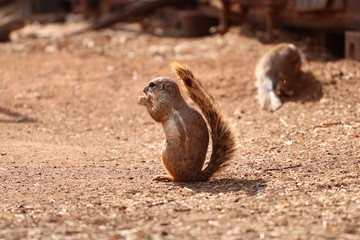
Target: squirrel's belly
<point x="175" y="129"/>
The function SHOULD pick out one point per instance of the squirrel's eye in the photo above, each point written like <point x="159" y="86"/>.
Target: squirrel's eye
<point x="151" y="84"/>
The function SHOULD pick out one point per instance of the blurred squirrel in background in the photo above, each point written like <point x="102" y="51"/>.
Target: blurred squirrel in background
<point x="277" y="72"/>
<point x="187" y="134"/>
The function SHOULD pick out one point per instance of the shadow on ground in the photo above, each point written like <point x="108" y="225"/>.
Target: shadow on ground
<point x="308" y="89"/>
<point x="16" y="117"/>
<point x="251" y="187"/>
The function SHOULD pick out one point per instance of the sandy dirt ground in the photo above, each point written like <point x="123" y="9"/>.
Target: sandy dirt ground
<point x="77" y="154"/>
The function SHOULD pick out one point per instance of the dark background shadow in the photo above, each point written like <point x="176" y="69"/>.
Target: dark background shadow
<point x="307" y="89"/>
<point x="251" y="187"/>
<point x="17" y="117"/>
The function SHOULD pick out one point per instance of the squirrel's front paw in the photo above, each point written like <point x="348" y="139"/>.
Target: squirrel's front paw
<point x="142" y="100"/>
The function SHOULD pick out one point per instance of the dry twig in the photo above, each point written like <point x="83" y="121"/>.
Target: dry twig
<point x="283" y="168"/>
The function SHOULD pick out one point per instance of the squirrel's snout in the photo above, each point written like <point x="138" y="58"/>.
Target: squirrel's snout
<point x="145" y="90"/>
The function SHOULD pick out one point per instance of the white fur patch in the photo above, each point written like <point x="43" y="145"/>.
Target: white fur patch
<point x="173" y="124"/>
<point x="172" y="128"/>
<point x="182" y="123"/>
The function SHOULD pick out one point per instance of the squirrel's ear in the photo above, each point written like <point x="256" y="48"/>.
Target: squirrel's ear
<point x="162" y="86"/>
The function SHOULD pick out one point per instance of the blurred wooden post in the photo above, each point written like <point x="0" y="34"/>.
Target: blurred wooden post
<point x="352" y="45"/>
<point x="105" y="6"/>
<point x="84" y="8"/>
<point x="224" y="17"/>
<point x="270" y="10"/>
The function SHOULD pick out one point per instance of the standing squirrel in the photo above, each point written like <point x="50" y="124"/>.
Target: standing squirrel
<point x="187" y="135"/>
<point x="276" y="73"/>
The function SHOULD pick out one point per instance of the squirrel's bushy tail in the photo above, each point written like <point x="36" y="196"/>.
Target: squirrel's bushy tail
<point x="266" y="94"/>
<point x="223" y="141"/>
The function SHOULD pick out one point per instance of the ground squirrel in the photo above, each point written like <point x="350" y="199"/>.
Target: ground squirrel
<point x="276" y="73"/>
<point x="187" y="135"/>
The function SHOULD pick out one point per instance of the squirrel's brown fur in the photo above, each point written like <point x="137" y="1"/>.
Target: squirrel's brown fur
<point x="277" y="73"/>
<point x="186" y="132"/>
